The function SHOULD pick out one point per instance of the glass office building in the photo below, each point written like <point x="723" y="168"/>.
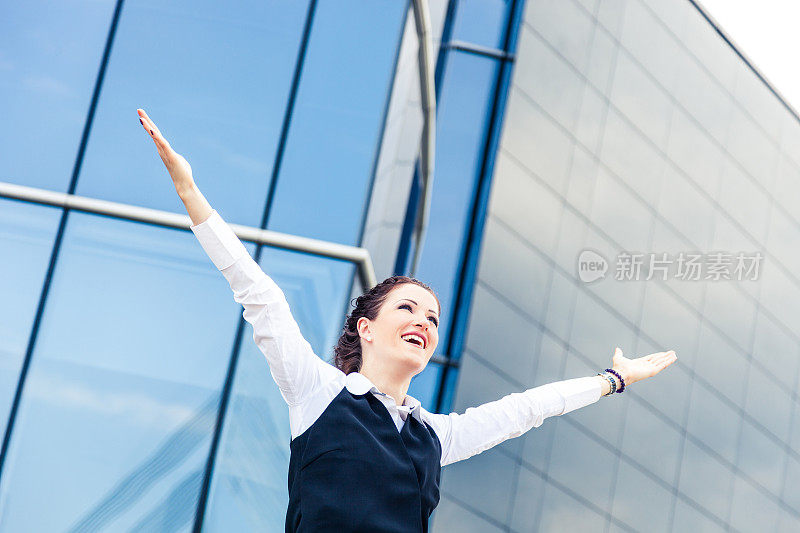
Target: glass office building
<point x="571" y="135"/>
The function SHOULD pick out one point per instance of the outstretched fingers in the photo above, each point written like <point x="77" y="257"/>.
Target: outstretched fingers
<point x="667" y="356"/>
<point x="152" y="130"/>
<point x="659" y="356"/>
<point x="163" y="147"/>
<point x="147" y="124"/>
<point x="664" y="360"/>
<point x="656" y="357"/>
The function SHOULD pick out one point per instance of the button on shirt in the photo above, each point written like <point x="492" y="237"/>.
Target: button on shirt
<point x="308" y="384"/>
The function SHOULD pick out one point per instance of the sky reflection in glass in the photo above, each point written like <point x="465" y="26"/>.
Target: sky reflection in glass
<point x="330" y="151"/>
<point x="117" y="412"/>
<point x="26" y="242"/>
<point x="462" y="118"/>
<point x="215" y="78"/>
<point x="49" y="58"/>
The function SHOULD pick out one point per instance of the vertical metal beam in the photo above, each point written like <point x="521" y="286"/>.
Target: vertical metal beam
<point x="401" y="265"/>
<point x="422" y="20"/>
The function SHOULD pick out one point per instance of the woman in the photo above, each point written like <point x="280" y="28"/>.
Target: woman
<point x="358" y="461"/>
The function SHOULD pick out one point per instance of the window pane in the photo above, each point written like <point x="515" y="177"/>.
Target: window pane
<point x="450" y="383"/>
<point x="751" y="510"/>
<point x="713" y="422"/>
<point x="566" y="26"/>
<point x="651" y="442"/>
<point x="121" y="399"/>
<point x="639" y="501"/>
<point x="481" y="22"/>
<point x="573" y="454"/>
<point x="492" y="317"/>
<point x="49" y="58"/>
<point x="27" y="232"/>
<point x="705" y="480"/>
<point x="760" y="457"/>
<point x="248" y="490"/>
<point x="318" y="291"/>
<point x="461" y="129"/>
<point x="331" y="148"/>
<point x="687" y="518"/>
<point x="562" y="512"/>
<point x="215" y="78"/>
<point x="560" y="91"/>
<point x="527" y="500"/>
<point x="425" y="385"/>
<point x="494" y="469"/>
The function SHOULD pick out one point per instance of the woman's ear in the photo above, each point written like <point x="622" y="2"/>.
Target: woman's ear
<point x="363" y="328"/>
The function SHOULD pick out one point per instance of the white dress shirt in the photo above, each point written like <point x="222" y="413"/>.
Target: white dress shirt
<point x="308" y="384"/>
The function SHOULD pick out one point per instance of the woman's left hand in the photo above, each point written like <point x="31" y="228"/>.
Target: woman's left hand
<point x="633" y="370"/>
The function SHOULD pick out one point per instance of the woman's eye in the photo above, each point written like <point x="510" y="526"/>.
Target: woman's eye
<point x="432" y="319"/>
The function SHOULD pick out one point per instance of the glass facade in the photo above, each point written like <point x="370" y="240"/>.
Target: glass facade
<point x="632" y="127"/>
<point x="131" y="394"/>
<point x="471" y="81"/>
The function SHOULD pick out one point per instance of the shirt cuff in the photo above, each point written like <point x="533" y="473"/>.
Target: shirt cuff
<point x="578" y="392"/>
<point x="219" y="241"/>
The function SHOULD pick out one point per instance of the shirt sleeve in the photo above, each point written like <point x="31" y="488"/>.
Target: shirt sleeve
<point x="292" y="362"/>
<point x="480" y="428"/>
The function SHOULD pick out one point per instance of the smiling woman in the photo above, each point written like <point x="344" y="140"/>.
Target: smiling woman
<point x="358" y="461"/>
<point x="386" y="321"/>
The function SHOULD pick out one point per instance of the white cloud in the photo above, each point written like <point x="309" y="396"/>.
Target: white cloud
<point x="137" y="408"/>
<point x="47" y="85"/>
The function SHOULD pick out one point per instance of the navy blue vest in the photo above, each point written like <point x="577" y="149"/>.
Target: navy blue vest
<point x="352" y="471"/>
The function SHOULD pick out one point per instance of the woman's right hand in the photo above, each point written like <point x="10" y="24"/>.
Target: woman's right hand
<point x="179" y="169"/>
<point x="633" y="370"/>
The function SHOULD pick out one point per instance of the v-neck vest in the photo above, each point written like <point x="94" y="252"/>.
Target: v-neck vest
<point x="352" y="471"/>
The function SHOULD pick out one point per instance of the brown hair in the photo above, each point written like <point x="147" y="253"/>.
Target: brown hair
<point x="347" y="352"/>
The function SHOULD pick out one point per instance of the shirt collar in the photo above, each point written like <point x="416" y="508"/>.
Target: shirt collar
<point x="359" y="384"/>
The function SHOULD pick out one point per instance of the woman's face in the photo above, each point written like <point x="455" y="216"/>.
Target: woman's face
<point x="408" y="308"/>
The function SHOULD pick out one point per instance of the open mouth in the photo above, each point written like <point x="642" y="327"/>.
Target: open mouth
<point x="414" y="340"/>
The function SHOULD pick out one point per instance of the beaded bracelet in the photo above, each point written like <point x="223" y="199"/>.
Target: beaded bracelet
<point x="622" y="381"/>
<point x="610" y="381"/>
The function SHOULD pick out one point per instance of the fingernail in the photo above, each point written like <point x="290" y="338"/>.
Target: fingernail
<point x="141" y="122"/>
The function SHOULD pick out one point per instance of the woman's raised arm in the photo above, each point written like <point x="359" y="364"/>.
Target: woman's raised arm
<point x="179" y="170"/>
<point x="480" y="428"/>
<point x="293" y="364"/>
